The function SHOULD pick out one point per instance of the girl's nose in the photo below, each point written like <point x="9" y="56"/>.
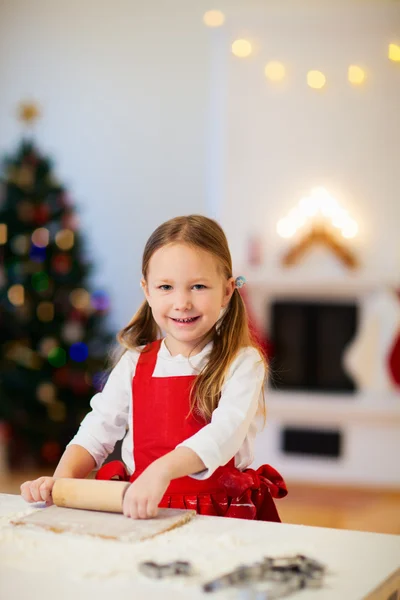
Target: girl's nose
<point x="182" y="302"/>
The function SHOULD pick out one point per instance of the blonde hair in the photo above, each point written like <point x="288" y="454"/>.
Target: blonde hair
<point x="229" y="335"/>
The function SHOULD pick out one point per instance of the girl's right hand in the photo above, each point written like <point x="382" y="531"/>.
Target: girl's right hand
<point x="38" y="490"/>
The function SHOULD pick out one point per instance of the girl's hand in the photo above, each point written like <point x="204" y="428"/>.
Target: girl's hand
<point x="38" y="490"/>
<point x="143" y="496"/>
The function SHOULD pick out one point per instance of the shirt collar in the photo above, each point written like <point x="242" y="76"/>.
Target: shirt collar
<point x="165" y="353"/>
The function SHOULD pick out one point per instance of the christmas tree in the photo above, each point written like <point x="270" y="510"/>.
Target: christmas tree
<point x="53" y="339"/>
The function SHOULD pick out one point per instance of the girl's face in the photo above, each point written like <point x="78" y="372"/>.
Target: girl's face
<point x="186" y="291"/>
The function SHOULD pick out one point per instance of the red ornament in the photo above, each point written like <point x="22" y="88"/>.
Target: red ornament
<point x="41" y="214"/>
<point x="61" y="264"/>
<point x="61" y="377"/>
<point x="78" y="316"/>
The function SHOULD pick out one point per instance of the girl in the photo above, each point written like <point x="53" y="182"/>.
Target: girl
<point x="187" y="403"/>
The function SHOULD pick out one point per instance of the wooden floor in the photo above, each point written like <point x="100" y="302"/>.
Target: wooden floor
<point x="338" y="507"/>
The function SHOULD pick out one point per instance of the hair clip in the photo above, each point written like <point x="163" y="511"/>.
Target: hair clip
<point x="240" y="281"/>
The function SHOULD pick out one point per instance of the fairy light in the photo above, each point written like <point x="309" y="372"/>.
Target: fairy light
<point x="275" y="71"/>
<point x="319" y="205"/>
<point x="241" y="48"/>
<point x="3" y="233"/>
<point x="214" y="18"/>
<point x="316" y="79"/>
<point x="40" y="237"/>
<point x="16" y="294"/>
<point x="394" y="52"/>
<point x="79" y="298"/>
<point x="45" y="311"/>
<point x="356" y="75"/>
<point x="65" y="239"/>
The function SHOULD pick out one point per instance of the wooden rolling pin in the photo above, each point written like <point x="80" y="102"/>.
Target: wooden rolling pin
<point x="90" y="494"/>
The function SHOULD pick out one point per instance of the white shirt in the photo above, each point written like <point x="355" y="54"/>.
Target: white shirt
<point x="233" y="426"/>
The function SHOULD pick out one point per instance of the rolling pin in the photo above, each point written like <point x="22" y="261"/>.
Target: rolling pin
<point x="89" y="494"/>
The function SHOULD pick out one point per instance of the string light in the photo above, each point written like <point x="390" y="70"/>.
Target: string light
<point x="79" y="352"/>
<point x="40" y="281"/>
<point x="45" y="311"/>
<point x="316" y="79"/>
<point x="3" y="233"/>
<point x="65" y="239"/>
<point x="275" y="71"/>
<point x="46" y="392"/>
<point x="79" y="298"/>
<point x="394" y="52"/>
<point x="40" y="237"/>
<point x="20" y="244"/>
<point x="16" y="294"/>
<point x="57" y="357"/>
<point x="241" y="48"/>
<point x="214" y="18"/>
<point x="356" y="75"/>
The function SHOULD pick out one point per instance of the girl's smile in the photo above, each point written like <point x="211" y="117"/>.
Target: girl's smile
<point x="185" y="321"/>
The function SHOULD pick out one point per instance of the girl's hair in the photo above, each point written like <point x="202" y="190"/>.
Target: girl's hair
<point x="229" y="334"/>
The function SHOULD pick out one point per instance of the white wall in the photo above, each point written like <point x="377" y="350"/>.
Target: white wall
<point x="282" y="140"/>
<point x="124" y="88"/>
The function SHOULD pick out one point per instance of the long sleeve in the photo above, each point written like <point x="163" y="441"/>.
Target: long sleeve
<point x="221" y="439"/>
<point x="109" y="418"/>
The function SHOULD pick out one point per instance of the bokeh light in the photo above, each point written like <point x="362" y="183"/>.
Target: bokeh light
<point x="241" y="48"/>
<point x="214" y="18"/>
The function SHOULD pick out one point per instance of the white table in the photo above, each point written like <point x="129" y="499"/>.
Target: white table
<point x="46" y="565"/>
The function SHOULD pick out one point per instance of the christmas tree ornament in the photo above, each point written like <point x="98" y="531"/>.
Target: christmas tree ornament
<point x="57" y="357"/>
<point x="41" y="214"/>
<point x="78" y="352"/>
<point x="16" y="294"/>
<point x="46" y="392"/>
<point x="65" y="239"/>
<point x="80" y="298"/>
<point x="45" y="311"/>
<point x="40" y="237"/>
<point x="100" y="301"/>
<point x="20" y="244"/>
<point x="61" y="264"/>
<point x="45" y="345"/>
<point x="40" y="281"/>
<point x="72" y="332"/>
<point x="25" y="211"/>
<point x="36" y="254"/>
<point x="3" y="233"/>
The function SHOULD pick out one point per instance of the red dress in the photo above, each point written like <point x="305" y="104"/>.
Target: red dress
<point x="161" y="422"/>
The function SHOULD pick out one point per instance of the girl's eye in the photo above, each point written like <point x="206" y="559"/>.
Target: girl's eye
<point x="165" y="287"/>
<point x="199" y="286"/>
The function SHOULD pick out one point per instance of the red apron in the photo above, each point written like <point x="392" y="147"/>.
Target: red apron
<point x="161" y="421"/>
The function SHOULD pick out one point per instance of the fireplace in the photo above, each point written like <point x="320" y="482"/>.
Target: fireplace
<point x="325" y="422"/>
<point x="308" y="342"/>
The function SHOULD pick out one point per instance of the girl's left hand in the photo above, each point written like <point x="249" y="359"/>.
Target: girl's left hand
<point x="143" y="496"/>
